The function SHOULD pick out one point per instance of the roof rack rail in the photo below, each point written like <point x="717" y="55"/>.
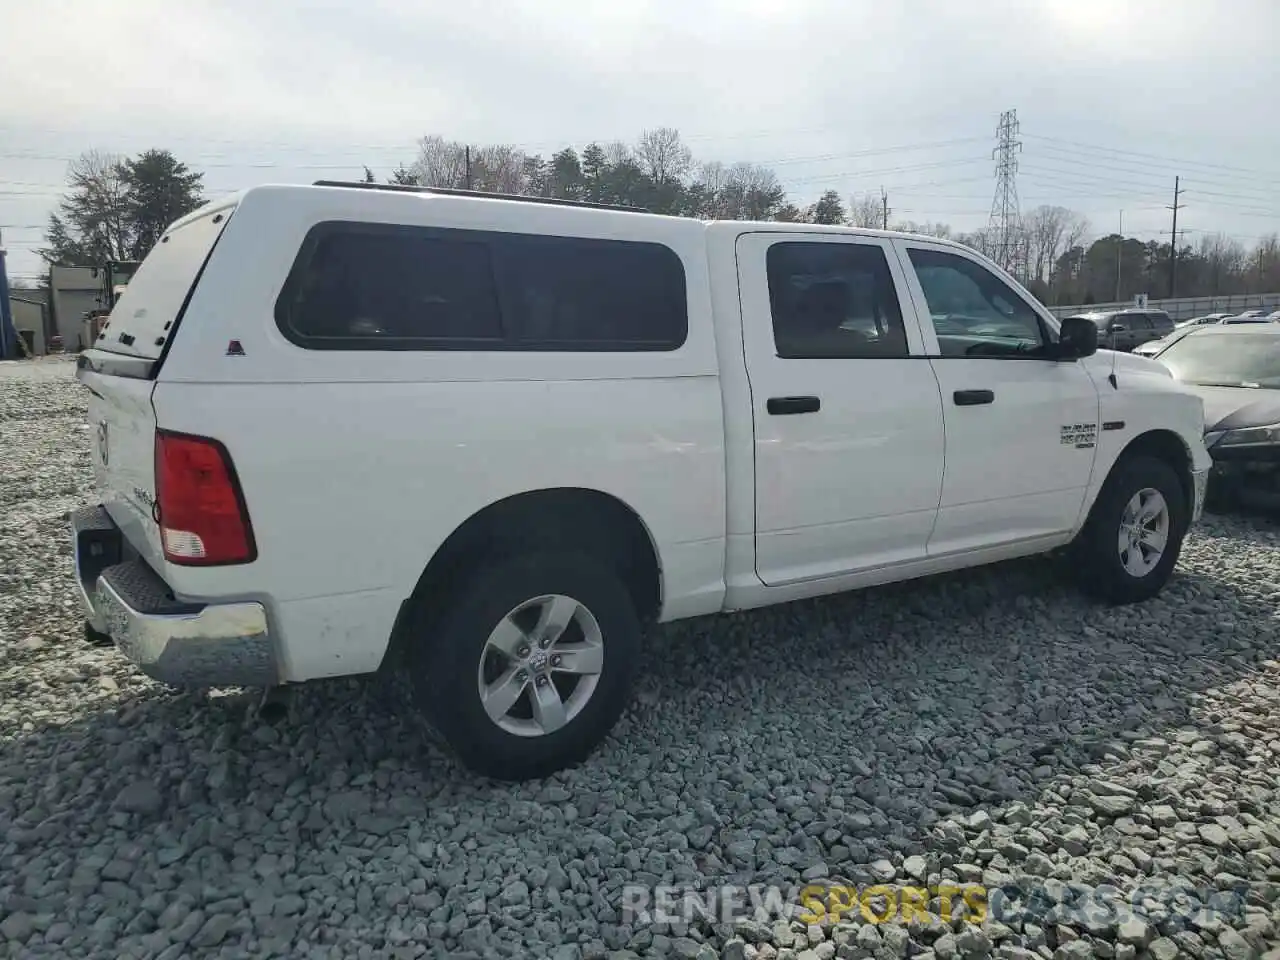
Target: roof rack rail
<point x="484" y="194"/>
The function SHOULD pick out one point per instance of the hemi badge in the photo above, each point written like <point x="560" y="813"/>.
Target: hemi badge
<point x="1113" y="425"/>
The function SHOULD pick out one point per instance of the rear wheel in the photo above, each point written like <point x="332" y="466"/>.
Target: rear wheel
<point x="1131" y="542"/>
<point x="530" y="665"/>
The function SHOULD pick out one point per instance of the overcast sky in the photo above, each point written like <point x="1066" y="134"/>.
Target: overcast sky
<point x="1114" y="97"/>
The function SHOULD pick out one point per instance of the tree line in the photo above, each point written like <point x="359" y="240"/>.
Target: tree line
<point x="116" y="208"/>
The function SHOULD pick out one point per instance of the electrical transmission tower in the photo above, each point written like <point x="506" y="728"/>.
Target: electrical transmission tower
<point x="1005" y="236"/>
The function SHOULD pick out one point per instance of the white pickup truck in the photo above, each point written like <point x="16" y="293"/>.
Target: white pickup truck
<point x="487" y="441"/>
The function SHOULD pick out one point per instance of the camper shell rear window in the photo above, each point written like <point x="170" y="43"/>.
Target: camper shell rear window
<point x="143" y="320"/>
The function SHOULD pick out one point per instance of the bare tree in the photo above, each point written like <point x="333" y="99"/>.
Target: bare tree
<point x="96" y="207"/>
<point x="618" y="152"/>
<point x="498" y="169"/>
<point x="440" y="163"/>
<point x="1047" y="231"/>
<point x="1224" y="259"/>
<point x="663" y="156"/>
<point x="980" y="240"/>
<point x="752" y="192"/>
<point x="714" y="175"/>
<point x="1264" y="264"/>
<point x="707" y="191"/>
<point x="866" y="210"/>
<point x="940" y="230"/>
<point x="1075" y="233"/>
<point x="1044" y="227"/>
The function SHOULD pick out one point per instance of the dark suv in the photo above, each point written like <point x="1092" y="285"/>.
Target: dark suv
<point x="1126" y="329"/>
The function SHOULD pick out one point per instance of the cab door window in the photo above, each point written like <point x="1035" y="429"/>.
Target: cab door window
<point x="833" y="301"/>
<point x="974" y="312"/>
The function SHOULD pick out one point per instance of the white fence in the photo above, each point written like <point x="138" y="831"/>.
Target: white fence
<point x="1184" y="308"/>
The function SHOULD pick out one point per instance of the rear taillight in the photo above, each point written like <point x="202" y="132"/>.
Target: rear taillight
<point x="202" y="515"/>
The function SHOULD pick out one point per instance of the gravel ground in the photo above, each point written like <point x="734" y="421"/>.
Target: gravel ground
<point x="991" y="727"/>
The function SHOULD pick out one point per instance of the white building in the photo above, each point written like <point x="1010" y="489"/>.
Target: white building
<point x="74" y="291"/>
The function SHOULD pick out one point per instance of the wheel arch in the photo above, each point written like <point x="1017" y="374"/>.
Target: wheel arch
<point x="569" y="517"/>
<point x="1169" y="446"/>
<point x="1162" y="444"/>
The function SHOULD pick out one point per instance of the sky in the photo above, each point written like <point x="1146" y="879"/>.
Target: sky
<point x="1114" y="97"/>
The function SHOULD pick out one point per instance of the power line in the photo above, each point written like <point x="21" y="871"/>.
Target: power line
<point x="1154" y="167"/>
<point x="1154" y="156"/>
<point x="846" y="174"/>
<point x="15" y="131"/>
<point x="1132" y="177"/>
<point x="911" y="168"/>
<point x="903" y="148"/>
<point x="207" y="160"/>
<point x="1090" y="185"/>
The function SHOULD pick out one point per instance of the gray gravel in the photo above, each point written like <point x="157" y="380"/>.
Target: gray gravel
<point x="991" y="727"/>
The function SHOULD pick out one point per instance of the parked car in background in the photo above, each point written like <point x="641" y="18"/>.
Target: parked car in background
<point x="485" y="442"/>
<point x="1201" y="321"/>
<point x="1126" y="329"/>
<point x="1236" y="370"/>
<point x="1249" y="316"/>
<point x="1153" y="347"/>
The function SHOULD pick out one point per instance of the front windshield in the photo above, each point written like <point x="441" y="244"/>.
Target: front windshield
<point x="1230" y="360"/>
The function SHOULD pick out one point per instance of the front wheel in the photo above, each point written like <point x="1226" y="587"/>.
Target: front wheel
<point x="1131" y="542"/>
<point x="530" y="665"/>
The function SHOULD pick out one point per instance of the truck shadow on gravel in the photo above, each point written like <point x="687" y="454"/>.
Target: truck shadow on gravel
<point x="837" y="731"/>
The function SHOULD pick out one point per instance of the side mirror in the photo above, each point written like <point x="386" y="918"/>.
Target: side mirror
<point x="1077" y="337"/>
<point x="1118" y="328"/>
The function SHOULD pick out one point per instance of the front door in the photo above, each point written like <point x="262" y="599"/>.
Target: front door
<point x="1021" y="430"/>
<point x="847" y="416"/>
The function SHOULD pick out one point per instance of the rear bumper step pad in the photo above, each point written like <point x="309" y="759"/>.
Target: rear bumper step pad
<point x="171" y="640"/>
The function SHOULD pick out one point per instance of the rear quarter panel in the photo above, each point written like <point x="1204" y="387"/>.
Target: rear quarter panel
<point x="357" y="465"/>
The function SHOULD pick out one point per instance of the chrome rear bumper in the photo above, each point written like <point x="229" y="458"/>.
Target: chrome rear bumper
<point x="173" y="641"/>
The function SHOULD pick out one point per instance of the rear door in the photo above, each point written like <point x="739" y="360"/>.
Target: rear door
<point x="1161" y="323"/>
<point x="1145" y="328"/>
<point x="848" y="421"/>
<point x="119" y="371"/>
<point x="1129" y="330"/>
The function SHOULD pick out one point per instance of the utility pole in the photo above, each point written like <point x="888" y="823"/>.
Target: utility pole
<point x="1119" y="253"/>
<point x="8" y="334"/>
<point x="1173" y="240"/>
<point x="467" y="156"/>
<point x="884" y="206"/>
<point x="1004" y="219"/>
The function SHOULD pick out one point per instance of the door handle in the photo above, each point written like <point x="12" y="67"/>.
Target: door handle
<point x="971" y="398"/>
<point x="782" y="406"/>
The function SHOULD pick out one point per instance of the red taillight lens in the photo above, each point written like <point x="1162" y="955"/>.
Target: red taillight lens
<point x="203" y="520"/>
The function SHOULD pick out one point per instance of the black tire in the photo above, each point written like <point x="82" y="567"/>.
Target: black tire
<point x="445" y="663"/>
<point x="1097" y="557"/>
<point x="96" y="638"/>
